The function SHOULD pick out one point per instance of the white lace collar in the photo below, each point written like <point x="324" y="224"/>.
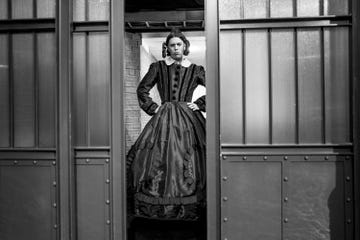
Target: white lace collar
<point x="185" y="62"/>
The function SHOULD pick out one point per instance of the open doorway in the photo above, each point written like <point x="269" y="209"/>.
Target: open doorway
<point x="147" y="26"/>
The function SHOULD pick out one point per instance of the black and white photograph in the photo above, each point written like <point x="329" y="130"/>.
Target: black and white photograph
<point x="179" y="120"/>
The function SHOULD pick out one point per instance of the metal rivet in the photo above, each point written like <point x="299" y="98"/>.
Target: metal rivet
<point x="326" y="158"/>
<point x="107" y="160"/>
<point x="306" y="158"/>
<point x="87" y="160"/>
<point x="108" y="222"/>
<point x="225" y="198"/>
<point x="285" y="158"/>
<point x="107" y="181"/>
<point x="244" y="158"/>
<point x="54" y="163"/>
<point x="226" y="219"/>
<point x="225" y="178"/>
<point x="348" y="178"/>
<point x="348" y="221"/>
<point x="34" y="162"/>
<point x="286" y="220"/>
<point x="265" y="157"/>
<point x="224" y="157"/>
<point x="15" y="162"/>
<point x="286" y="199"/>
<point x="54" y="205"/>
<point x="286" y="179"/>
<point x="348" y="199"/>
<point x="107" y="201"/>
<point x="225" y="239"/>
<point x="55" y="226"/>
<point x="54" y="184"/>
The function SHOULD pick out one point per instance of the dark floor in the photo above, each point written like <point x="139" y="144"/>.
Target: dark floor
<point x="144" y="229"/>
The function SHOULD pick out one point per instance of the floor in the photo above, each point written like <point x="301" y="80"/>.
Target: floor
<point x="144" y="229"/>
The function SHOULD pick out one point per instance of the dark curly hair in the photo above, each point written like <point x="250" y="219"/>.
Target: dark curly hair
<point x="172" y="34"/>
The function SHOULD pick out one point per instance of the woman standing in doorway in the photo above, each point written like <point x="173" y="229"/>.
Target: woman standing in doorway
<point x="166" y="165"/>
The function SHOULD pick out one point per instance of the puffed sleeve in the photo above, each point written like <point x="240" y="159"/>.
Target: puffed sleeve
<point x="201" y="101"/>
<point x="147" y="83"/>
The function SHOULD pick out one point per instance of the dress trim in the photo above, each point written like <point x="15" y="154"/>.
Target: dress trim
<point x="168" y="201"/>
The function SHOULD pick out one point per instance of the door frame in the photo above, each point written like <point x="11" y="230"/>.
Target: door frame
<point x="212" y="120"/>
<point x="118" y="154"/>
<point x="355" y="47"/>
<point x="117" y="143"/>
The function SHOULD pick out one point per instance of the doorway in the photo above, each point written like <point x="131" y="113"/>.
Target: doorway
<point x="145" y="31"/>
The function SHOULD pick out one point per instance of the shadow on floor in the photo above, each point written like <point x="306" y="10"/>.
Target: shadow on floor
<point x="145" y="229"/>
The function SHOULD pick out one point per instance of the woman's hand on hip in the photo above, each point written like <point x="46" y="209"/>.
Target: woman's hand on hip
<point x="193" y="106"/>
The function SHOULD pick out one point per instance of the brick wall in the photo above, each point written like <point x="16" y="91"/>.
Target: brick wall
<point x="132" y="77"/>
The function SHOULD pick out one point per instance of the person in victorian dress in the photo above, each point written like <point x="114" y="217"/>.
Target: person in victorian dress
<point x="166" y="164"/>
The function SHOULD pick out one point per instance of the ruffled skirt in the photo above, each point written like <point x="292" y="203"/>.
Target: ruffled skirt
<point x="166" y="165"/>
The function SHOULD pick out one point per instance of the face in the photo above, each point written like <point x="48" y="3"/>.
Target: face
<point x="176" y="48"/>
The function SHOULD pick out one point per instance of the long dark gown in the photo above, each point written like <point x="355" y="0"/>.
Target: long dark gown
<point x="166" y="164"/>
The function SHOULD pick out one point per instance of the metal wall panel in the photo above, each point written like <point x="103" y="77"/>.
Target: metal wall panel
<point x="98" y="10"/>
<point x="22" y="9"/>
<point x="3" y="9"/>
<point x="336" y="7"/>
<point x="99" y="89"/>
<point x="24" y="90"/>
<point x="308" y="8"/>
<point x="231" y="70"/>
<point x="27" y="199"/>
<point x="91" y="10"/>
<point x="4" y="92"/>
<point x="79" y="10"/>
<point x="230" y="9"/>
<point x="251" y="199"/>
<point x="47" y="76"/>
<point x="46" y="8"/>
<point x="91" y="89"/>
<point x="337" y="86"/>
<point x="316" y="199"/>
<point x="255" y="8"/>
<point x="93" y="199"/>
<point x="79" y="90"/>
<point x="281" y="8"/>
<point x="239" y="9"/>
<point x="283" y="87"/>
<point x="310" y="86"/>
<point x="256" y="87"/>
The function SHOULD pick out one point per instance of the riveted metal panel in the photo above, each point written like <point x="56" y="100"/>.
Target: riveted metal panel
<point x="315" y="191"/>
<point x="93" y="199"/>
<point x="251" y="198"/>
<point x="27" y="200"/>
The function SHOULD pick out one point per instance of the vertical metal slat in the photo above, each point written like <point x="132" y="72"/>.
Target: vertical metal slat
<point x="36" y="89"/>
<point x="270" y="89"/>
<point x="297" y="140"/>
<point x="244" y="84"/>
<point x="87" y="125"/>
<point x="323" y="85"/>
<point x="11" y="90"/>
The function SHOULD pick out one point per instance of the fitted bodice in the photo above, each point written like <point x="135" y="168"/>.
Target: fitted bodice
<point x="174" y="83"/>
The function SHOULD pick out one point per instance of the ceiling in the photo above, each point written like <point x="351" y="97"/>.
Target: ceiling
<point x="163" y="15"/>
<point x="163" y="5"/>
